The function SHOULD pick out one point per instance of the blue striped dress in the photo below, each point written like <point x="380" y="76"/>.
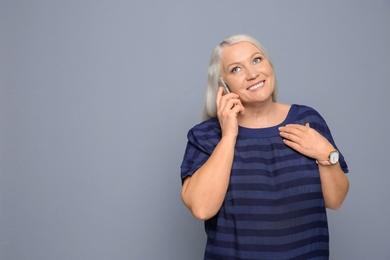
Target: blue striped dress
<point x="274" y="207"/>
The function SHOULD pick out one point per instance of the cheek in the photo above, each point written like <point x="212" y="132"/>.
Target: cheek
<point x="236" y="83"/>
<point x="271" y="77"/>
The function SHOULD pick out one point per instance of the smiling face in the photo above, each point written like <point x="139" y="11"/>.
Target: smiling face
<point x="247" y="72"/>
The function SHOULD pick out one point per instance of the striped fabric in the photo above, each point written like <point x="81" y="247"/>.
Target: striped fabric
<point x="274" y="208"/>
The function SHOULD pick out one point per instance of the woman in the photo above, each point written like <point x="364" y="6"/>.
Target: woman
<point x="260" y="173"/>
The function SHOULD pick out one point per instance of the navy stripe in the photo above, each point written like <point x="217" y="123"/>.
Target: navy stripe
<point x="280" y="201"/>
<point x="272" y="247"/>
<point x="276" y="217"/>
<point x="275" y="232"/>
<point x="273" y="187"/>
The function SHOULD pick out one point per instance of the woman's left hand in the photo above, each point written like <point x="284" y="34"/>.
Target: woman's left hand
<point x="306" y="140"/>
<point x="309" y="142"/>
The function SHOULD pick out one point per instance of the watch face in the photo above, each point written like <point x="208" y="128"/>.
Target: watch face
<point x="334" y="157"/>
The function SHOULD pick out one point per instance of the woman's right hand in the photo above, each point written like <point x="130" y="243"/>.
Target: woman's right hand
<point x="229" y="107"/>
<point x="204" y="192"/>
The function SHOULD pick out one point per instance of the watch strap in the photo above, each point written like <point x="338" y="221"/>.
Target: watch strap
<point x="324" y="163"/>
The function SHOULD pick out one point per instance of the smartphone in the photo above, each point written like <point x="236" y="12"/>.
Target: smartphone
<point x="225" y="86"/>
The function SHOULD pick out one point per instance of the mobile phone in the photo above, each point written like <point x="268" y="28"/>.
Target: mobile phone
<point x="225" y="86"/>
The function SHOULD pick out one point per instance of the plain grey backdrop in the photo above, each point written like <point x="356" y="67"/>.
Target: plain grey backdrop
<point x="96" y="98"/>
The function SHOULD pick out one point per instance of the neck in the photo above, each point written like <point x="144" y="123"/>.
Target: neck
<point x="260" y="115"/>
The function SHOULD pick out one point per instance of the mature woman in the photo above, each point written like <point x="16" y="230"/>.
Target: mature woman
<point x="260" y="173"/>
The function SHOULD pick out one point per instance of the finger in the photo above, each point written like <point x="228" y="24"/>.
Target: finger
<point x="297" y="126"/>
<point x="293" y="145"/>
<point x="238" y="107"/>
<point x="290" y="137"/>
<point x="228" y="100"/>
<point x="300" y="127"/>
<point x="290" y="131"/>
<point x="219" y="96"/>
<point x="230" y="108"/>
<point x="221" y="99"/>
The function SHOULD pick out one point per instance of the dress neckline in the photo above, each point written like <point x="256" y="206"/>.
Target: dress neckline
<point x="269" y="131"/>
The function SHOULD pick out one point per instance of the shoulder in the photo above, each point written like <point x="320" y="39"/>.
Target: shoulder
<point x="302" y="109"/>
<point x="307" y="113"/>
<point x="206" y="127"/>
<point x="206" y="132"/>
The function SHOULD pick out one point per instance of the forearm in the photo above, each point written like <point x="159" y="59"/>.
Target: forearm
<point x="204" y="192"/>
<point x="335" y="185"/>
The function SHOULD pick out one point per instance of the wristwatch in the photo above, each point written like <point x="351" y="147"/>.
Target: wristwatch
<point x="333" y="158"/>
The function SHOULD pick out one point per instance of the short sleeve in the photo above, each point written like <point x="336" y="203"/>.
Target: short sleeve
<point x="201" y="142"/>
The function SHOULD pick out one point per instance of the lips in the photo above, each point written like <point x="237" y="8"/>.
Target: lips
<point x="256" y="86"/>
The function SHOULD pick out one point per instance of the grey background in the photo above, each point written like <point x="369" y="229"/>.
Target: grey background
<point x="96" y="98"/>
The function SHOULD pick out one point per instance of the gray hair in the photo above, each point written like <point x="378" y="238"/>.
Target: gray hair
<point x="214" y="72"/>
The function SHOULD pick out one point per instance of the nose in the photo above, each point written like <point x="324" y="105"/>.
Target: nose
<point x="251" y="73"/>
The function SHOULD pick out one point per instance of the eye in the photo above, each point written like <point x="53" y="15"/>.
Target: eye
<point x="235" y="70"/>
<point x="257" y="60"/>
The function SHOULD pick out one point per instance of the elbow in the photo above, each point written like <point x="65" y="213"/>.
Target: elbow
<point x="201" y="209"/>
<point x="202" y="214"/>
<point x="336" y="202"/>
<point x="334" y="205"/>
<point x="199" y="212"/>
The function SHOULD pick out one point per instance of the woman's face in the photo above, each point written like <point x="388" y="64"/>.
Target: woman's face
<point x="247" y="72"/>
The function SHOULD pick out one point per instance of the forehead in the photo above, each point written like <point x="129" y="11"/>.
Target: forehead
<point x="238" y="51"/>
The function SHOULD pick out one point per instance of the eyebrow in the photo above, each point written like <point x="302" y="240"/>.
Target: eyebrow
<point x="236" y="63"/>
